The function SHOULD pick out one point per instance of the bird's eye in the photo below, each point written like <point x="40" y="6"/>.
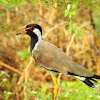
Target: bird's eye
<point x="31" y="28"/>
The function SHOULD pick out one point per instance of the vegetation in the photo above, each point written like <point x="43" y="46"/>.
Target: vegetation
<point x="72" y="25"/>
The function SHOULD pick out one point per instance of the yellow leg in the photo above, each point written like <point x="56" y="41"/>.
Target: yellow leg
<point x="55" y="88"/>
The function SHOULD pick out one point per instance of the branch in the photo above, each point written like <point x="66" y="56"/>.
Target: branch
<point x="10" y="67"/>
<point x="26" y="71"/>
<point x="72" y="39"/>
<point x="73" y="36"/>
<point x="54" y="28"/>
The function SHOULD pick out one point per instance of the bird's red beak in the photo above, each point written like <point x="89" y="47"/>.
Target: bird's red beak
<point x="24" y="31"/>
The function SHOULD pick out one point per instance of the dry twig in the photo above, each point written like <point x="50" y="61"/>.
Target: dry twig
<point x="11" y="68"/>
<point x="56" y="26"/>
<point x="27" y="70"/>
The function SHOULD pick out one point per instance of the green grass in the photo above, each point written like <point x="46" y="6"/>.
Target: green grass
<point x="71" y="90"/>
<point x="78" y="91"/>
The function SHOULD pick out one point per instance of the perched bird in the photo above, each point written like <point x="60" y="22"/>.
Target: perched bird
<point x="50" y="57"/>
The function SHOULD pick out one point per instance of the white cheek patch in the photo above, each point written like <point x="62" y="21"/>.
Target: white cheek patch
<point x="38" y="33"/>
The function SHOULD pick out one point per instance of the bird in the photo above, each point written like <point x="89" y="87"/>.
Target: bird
<point x="50" y="57"/>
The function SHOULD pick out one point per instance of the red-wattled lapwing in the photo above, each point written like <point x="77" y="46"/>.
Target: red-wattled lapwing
<point x="50" y="57"/>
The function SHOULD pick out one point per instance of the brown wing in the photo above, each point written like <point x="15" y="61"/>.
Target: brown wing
<point x="51" y="57"/>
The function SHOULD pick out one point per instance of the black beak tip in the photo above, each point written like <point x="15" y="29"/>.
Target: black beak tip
<point x="18" y="33"/>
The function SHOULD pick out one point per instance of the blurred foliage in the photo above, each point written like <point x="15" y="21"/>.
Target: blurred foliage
<point x="69" y="90"/>
<point x="7" y="85"/>
<point x="72" y="25"/>
<point x="11" y="3"/>
<point x="76" y="90"/>
<point x="23" y="54"/>
<point x="38" y="95"/>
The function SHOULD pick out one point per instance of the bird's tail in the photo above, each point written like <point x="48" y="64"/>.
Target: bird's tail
<point x="89" y="80"/>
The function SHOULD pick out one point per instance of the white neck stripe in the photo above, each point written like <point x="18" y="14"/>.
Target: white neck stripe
<point x="38" y="33"/>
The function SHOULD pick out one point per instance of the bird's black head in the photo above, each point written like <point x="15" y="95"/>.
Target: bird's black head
<point x="33" y="30"/>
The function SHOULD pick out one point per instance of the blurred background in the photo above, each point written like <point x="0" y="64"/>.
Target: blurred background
<point x="71" y="25"/>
